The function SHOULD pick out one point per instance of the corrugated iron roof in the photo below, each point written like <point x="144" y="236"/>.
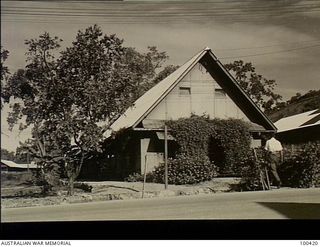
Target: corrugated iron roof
<point x="301" y="120"/>
<point x="133" y="114"/>
<point x="151" y="98"/>
<point x="12" y="164"/>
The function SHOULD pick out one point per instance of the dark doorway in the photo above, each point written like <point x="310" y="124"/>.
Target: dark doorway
<point x="216" y="153"/>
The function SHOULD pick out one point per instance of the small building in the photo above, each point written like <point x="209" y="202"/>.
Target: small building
<point x="200" y="86"/>
<point x="299" y="128"/>
<point x="10" y="166"/>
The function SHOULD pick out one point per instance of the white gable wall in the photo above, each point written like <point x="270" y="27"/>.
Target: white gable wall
<point x="205" y="98"/>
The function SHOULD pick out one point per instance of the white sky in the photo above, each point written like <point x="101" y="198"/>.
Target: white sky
<point x="280" y="37"/>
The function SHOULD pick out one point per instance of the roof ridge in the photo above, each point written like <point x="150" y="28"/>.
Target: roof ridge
<point x="150" y="99"/>
<point x="169" y="76"/>
<point x="153" y="95"/>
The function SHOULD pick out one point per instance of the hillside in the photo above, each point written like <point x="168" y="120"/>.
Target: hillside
<point x="297" y="104"/>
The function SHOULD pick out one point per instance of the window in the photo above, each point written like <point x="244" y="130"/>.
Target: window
<point x="184" y="90"/>
<point x="219" y="93"/>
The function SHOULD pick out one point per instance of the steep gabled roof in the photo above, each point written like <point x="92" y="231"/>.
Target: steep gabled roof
<point x="144" y="104"/>
<point x="148" y="101"/>
<point x="302" y="120"/>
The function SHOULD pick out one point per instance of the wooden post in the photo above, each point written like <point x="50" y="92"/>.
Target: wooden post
<point x="262" y="181"/>
<point x="144" y="174"/>
<point x="165" y="157"/>
<point x="28" y="160"/>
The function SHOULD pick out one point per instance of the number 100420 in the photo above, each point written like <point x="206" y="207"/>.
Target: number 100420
<point x="313" y="243"/>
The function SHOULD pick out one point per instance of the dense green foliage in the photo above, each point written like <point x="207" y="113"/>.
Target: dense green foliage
<point x="260" y="89"/>
<point x="223" y="142"/>
<point x="7" y="155"/>
<point x="70" y="98"/>
<point x="3" y="68"/>
<point x="186" y="169"/>
<point x="164" y="73"/>
<point x="302" y="168"/>
<point x="207" y="147"/>
<point x="48" y="177"/>
<point x="134" y="177"/>
<point x="3" y="57"/>
<point x="19" y="156"/>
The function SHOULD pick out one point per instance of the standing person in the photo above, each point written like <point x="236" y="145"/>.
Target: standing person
<point x="275" y="156"/>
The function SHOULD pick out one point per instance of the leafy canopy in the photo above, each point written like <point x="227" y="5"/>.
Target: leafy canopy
<point x="4" y="69"/>
<point x="260" y="89"/>
<point x="70" y="98"/>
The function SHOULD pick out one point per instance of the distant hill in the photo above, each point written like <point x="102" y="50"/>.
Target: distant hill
<point x="297" y="104"/>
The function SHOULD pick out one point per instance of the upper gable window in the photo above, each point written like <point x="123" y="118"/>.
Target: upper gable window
<point x="219" y="93"/>
<point x="184" y="90"/>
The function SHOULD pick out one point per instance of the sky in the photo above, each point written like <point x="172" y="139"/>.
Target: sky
<point x="280" y="37"/>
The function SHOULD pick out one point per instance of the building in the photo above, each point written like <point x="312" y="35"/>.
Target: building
<point x="10" y="166"/>
<point x="200" y="86"/>
<point x="299" y="128"/>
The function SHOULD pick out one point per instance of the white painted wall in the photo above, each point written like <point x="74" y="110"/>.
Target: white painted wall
<point x="202" y="100"/>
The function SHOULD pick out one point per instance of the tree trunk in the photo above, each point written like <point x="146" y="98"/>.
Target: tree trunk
<point x="73" y="173"/>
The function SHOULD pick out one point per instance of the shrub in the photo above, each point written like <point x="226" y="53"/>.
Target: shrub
<point x="47" y="177"/>
<point x="201" y="136"/>
<point x="186" y="170"/>
<point x="302" y="169"/>
<point x="135" y="177"/>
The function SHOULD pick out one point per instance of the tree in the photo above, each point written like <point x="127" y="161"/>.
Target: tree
<point x="144" y="66"/>
<point x="296" y="104"/>
<point x="260" y="89"/>
<point x="18" y="156"/>
<point x="34" y="103"/>
<point x="7" y="155"/>
<point x="70" y="101"/>
<point x="22" y="155"/>
<point x="164" y="73"/>
<point x="4" y="69"/>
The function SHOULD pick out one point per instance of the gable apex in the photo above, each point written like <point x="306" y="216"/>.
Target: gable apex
<point x="148" y="101"/>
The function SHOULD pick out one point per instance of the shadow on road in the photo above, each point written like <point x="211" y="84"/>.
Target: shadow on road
<point x="294" y="210"/>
